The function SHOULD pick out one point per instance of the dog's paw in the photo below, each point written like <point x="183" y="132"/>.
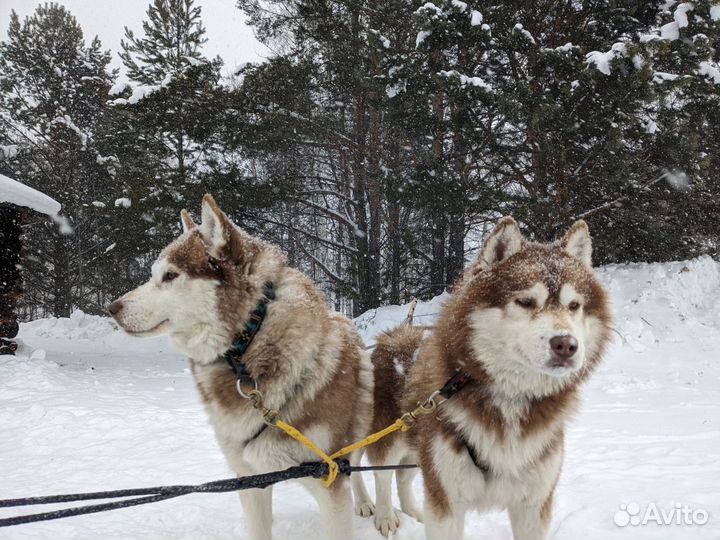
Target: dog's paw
<point x="364" y="509"/>
<point x="387" y="524"/>
<point x="415" y="513"/>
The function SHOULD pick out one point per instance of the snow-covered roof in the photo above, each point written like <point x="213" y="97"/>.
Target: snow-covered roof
<point x="14" y="192"/>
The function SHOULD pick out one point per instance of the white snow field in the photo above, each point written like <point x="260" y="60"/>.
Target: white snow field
<point x="85" y="408"/>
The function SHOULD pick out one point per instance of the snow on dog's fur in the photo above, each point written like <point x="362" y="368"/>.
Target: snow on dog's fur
<point x="528" y="323"/>
<point x="309" y="362"/>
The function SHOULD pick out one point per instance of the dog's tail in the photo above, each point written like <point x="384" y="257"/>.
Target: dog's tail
<point x="394" y="354"/>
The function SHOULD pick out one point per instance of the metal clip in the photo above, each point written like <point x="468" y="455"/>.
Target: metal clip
<point x="270" y="416"/>
<point x="423" y="407"/>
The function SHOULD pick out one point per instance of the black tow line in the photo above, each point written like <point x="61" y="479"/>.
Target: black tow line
<point x="161" y="493"/>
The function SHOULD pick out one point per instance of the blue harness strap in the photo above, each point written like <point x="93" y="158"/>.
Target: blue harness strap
<point x="233" y="356"/>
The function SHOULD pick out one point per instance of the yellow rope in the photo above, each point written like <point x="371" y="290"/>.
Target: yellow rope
<point x="403" y="423"/>
<point x="298" y="436"/>
<point x="372" y="439"/>
<point x="399" y="425"/>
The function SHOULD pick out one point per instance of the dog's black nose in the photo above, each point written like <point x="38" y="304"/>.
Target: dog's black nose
<point x="115" y="307"/>
<point x="563" y="347"/>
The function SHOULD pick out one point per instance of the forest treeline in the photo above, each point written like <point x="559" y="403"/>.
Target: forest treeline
<point x="376" y="145"/>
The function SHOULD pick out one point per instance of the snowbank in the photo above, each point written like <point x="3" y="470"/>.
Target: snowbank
<point x="78" y="326"/>
<point x="656" y="303"/>
<point x="652" y="302"/>
<point x="374" y="321"/>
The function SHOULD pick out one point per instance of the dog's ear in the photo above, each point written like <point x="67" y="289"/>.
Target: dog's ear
<point x="577" y="242"/>
<point x="187" y="221"/>
<point x="215" y="228"/>
<point x="505" y="241"/>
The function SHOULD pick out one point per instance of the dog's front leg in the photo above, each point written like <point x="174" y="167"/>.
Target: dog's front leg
<point x="364" y="506"/>
<point x="257" y="506"/>
<point x="336" y="507"/>
<point x="530" y="517"/>
<point x="531" y="521"/>
<point x="443" y="525"/>
<point x="386" y="520"/>
<point x="408" y="504"/>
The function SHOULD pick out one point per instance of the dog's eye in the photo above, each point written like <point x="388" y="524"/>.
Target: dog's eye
<point x="169" y="276"/>
<point x="574" y="306"/>
<point x="527" y="303"/>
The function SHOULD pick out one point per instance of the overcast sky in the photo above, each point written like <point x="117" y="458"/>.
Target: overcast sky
<point x="227" y="33"/>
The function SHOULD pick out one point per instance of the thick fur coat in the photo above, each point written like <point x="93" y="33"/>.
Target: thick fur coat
<point x="309" y="362"/>
<point x="528" y="323"/>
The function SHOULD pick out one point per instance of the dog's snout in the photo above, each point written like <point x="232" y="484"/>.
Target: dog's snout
<point x="563" y="347"/>
<point x="115" y="307"/>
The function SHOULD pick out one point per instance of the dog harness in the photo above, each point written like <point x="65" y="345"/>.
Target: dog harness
<point x="484" y="467"/>
<point x="456" y="383"/>
<point x="233" y="356"/>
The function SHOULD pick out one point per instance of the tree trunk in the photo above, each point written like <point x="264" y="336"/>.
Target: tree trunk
<point x="10" y="282"/>
<point x="394" y="223"/>
<point x="366" y="293"/>
<point x="457" y="206"/>
<point x="437" y="270"/>
<point x="180" y="148"/>
<point x="456" y="247"/>
<point x="61" y="283"/>
<point x="439" y="229"/>
<point x="374" y="197"/>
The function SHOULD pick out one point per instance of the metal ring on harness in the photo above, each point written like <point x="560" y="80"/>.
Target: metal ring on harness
<point x="428" y="406"/>
<point x="238" y="385"/>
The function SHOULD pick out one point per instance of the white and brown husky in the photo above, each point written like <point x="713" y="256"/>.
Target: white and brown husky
<point x="525" y="326"/>
<point x="309" y="362"/>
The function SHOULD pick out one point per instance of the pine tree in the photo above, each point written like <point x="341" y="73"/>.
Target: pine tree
<point x="562" y="103"/>
<point x="53" y="92"/>
<point x="173" y="37"/>
<point x="325" y="60"/>
<point x="452" y="113"/>
<point x="164" y="121"/>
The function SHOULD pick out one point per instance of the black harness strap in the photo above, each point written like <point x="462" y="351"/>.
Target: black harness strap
<point x="484" y="467"/>
<point x="233" y="356"/>
<point x="456" y="383"/>
<point x="259" y="432"/>
<point x="160" y="493"/>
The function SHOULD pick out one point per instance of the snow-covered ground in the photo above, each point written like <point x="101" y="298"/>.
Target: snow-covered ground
<point x="85" y="408"/>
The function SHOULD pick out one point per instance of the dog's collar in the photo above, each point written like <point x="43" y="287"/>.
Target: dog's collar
<point x="241" y="343"/>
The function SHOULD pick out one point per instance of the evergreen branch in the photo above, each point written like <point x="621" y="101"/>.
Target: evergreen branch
<point x="312" y="236"/>
<point x="619" y="199"/>
<point x="329" y="273"/>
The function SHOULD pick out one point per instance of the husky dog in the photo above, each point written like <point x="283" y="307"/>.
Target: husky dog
<point x="525" y="325"/>
<point x="309" y="363"/>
